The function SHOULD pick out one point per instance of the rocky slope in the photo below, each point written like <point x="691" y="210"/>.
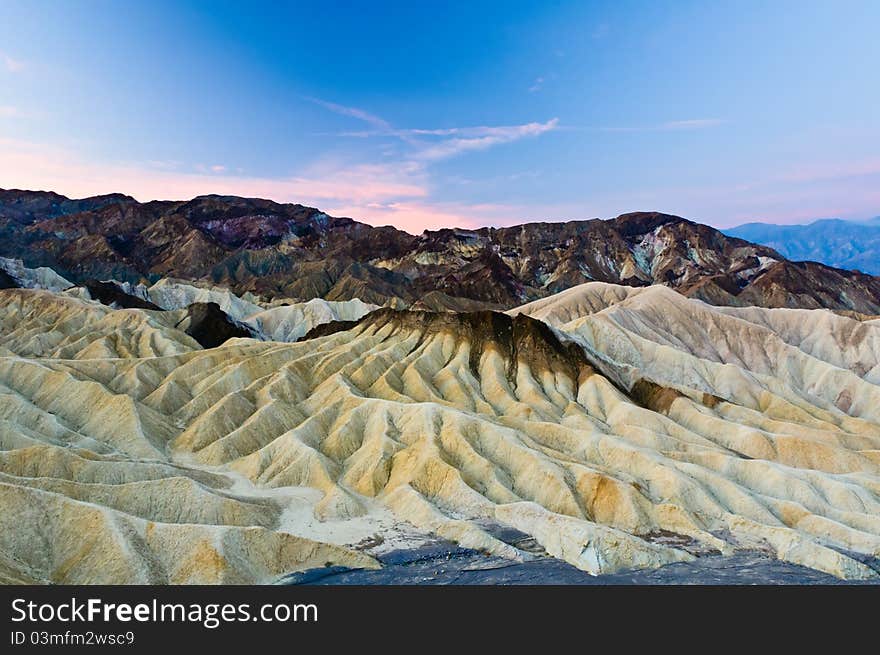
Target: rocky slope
<point x="18" y="275"/>
<point x="25" y="207"/>
<point x="619" y="427"/>
<point x="296" y="252"/>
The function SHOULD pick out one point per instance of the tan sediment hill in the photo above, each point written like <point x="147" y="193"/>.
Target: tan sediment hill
<point x="626" y="428"/>
<point x="69" y="325"/>
<point x="36" y="323"/>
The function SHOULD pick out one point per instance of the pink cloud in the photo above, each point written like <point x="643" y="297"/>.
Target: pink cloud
<point x="415" y="217"/>
<point x="399" y="193"/>
<point x="372" y="193"/>
<point x="359" y="184"/>
<point x="28" y="165"/>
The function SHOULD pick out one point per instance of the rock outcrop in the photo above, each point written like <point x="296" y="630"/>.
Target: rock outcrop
<point x="210" y="326"/>
<point x="297" y="253"/>
<point x="113" y="295"/>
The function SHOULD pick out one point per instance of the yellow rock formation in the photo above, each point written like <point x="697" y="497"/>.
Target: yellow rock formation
<point x="129" y="454"/>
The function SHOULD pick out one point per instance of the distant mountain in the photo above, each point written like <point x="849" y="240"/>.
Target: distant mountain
<point x="843" y="244"/>
<point x="298" y="252"/>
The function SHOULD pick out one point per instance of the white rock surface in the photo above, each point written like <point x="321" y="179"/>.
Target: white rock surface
<point x="172" y="294"/>
<point x="290" y="322"/>
<point x="274" y="322"/>
<point x="34" y="278"/>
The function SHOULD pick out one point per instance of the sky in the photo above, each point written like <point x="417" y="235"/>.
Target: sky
<point x="424" y="115"/>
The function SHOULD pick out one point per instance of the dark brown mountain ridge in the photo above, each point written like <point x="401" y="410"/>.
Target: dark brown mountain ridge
<point x="290" y="250"/>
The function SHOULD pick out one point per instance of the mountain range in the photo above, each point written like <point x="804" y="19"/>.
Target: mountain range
<point x="296" y="252"/>
<point x="259" y="417"/>
<point x="843" y="244"/>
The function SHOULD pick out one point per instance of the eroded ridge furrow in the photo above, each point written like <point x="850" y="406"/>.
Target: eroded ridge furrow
<point x="613" y="423"/>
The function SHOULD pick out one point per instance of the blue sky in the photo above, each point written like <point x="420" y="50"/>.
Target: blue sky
<point x="430" y="114"/>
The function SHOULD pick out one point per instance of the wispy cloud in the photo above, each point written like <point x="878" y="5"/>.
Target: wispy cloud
<point x="490" y="137"/>
<point x="405" y="172"/>
<point x="537" y="85"/>
<point x="11" y="64"/>
<point x="460" y="139"/>
<point x="375" y="186"/>
<point x="353" y="112"/>
<point x="475" y="131"/>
